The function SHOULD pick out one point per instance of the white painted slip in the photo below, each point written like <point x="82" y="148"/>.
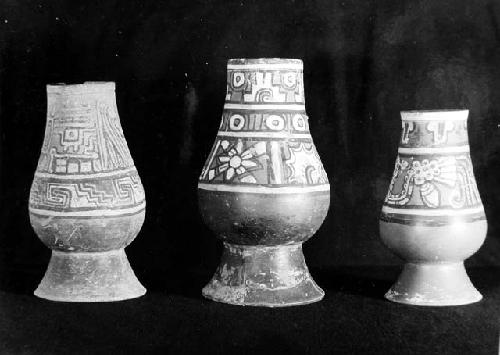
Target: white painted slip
<point x="435" y="115"/>
<point x="283" y="134"/>
<point x="85" y="176"/>
<point x="91" y="213"/>
<point x="435" y="150"/>
<point x="433" y="212"/>
<point x="266" y="66"/>
<point x="284" y="107"/>
<point x="259" y="189"/>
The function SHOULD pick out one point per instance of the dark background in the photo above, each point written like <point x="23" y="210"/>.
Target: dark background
<point x="364" y="61"/>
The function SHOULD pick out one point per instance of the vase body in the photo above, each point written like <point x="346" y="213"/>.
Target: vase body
<point x="433" y="216"/>
<point x="263" y="190"/>
<point x="86" y="201"/>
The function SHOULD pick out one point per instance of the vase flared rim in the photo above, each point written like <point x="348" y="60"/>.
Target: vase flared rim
<point x="264" y="63"/>
<point x="435" y="115"/>
<point x="84" y="88"/>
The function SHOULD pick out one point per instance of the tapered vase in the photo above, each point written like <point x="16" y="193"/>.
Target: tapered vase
<point x="432" y="216"/>
<point x="87" y="202"/>
<point x="263" y="190"/>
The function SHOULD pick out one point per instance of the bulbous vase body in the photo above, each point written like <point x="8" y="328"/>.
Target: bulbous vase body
<point x="433" y="216"/>
<point x="86" y="201"/>
<point x="263" y="190"/>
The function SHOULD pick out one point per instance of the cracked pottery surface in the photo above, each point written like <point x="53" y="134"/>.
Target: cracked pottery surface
<point x="263" y="189"/>
<point x="87" y="202"/>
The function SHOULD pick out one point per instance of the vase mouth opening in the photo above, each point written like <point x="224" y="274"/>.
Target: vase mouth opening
<point x="84" y="88"/>
<point x="435" y="115"/>
<point x="264" y="63"/>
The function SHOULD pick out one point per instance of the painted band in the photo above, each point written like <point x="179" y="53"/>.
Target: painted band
<point x="93" y="213"/>
<point x="87" y="88"/>
<point x="440" y="221"/>
<point x="442" y="150"/>
<point x="259" y="189"/>
<point x="89" y="254"/>
<point x="451" y="115"/>
<point x="85" y="176"/>
<point x="264" y="66"/>
<point x="256" y="134"/>
<point x="434" y="212"/>
<point x="254" y="106"/>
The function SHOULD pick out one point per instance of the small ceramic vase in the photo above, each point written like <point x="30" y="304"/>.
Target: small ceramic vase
<point x="263" y="190"/>
<point x="87" y="201"/>
<point x="432" y="216"/>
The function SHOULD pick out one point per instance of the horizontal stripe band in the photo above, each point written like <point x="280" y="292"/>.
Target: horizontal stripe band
<point x="254" y="106"/>
<point x="451" y="115"/>
<point x="420" y="151"/>
<point x="435" y="221"/>
<point x="274" y="66"/>
<point x="263" y="135"/>
<point x="433" y="212"/>
<point x="85" y="176"/>
<point x="87" y="253"/>
<point x="93" y="213"/>
<point x="258" y="189"/>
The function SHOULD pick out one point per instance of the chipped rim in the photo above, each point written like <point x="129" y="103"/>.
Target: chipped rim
<point x="85" y="88"/>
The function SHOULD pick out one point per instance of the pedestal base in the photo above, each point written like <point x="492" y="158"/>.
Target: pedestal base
<point x="270" y="276"/>
<point x="438" y="284"/>
<point x="89" y="277"/>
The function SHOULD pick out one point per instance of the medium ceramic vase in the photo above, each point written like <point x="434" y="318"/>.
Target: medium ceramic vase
<point x="263" y="190"/>
<point x="87" y="201"/>
<point x="432" y="216"/>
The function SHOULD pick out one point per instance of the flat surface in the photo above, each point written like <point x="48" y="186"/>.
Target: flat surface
<point x="352" y="318"/>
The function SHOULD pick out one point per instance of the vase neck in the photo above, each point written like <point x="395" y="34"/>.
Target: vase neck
<point x="83" y="134"/>
<point x="87" y="88"/>
<point x="434" y="129"/>
<point x="265" y="81"/>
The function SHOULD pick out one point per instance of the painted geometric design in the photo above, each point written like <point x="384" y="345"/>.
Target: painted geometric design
<point x="242" y="121"/>
<point x="433" y="182"/>
<point x="303" y="165"/>
<point x="263" y="139"/>
<point x="85" y="167"/>
<point x="86" y="194"/>
<point x="83" y="136"/>
<point x="265" y="85"/>
<point x="415" y="134"/>
<point x="266" y="162"/>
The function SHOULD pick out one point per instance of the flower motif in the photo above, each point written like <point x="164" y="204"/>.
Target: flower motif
<point x="236" y="161"/>
<point x="424" y="171"/>
<point x="427" y="175"/>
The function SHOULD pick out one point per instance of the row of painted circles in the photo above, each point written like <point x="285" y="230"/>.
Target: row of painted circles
<point x="289" y="79"/>
<point x="273" y="122"/>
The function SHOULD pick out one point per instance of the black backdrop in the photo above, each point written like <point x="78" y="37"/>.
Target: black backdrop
<point x="364" y="61"/>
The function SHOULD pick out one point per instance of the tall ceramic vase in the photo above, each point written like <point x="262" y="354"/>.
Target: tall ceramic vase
<point x="263" y="190"/>
<point x="433" y="217"/>
<point x="87" y="201"/>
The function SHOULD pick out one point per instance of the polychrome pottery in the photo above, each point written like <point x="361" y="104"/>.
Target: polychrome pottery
<point x="432" y="216"/>
<point x="263" y="190"/>
<point x="86" y="201"/>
